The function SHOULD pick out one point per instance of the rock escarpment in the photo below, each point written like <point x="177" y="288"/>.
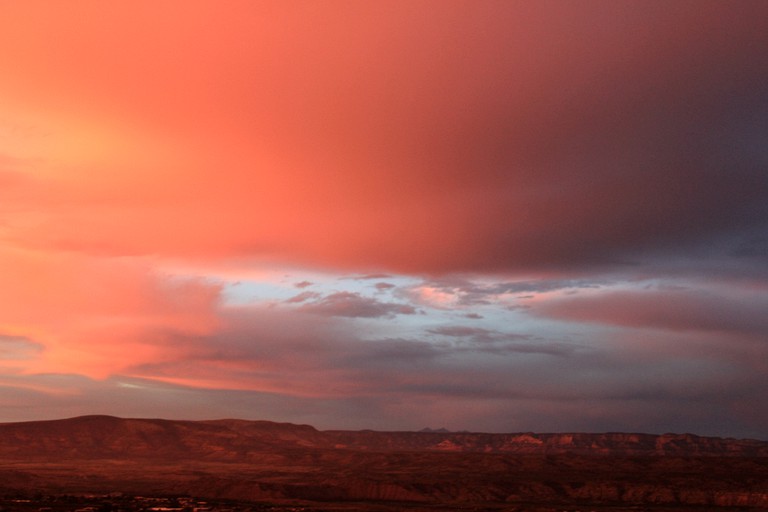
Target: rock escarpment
<point x="266" y="461"/>
<point x="104" y="436"/>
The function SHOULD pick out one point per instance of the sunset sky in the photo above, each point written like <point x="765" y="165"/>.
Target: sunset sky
<point x="480" y="215"/>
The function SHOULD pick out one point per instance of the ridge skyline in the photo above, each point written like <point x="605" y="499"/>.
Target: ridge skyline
<point x="96" y="417"/>
<point x="287" y="465"/>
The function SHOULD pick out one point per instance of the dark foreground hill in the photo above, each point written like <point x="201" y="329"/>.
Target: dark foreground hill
<point x="279" y="462"/>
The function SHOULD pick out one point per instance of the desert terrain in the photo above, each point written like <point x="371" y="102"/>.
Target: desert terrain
<point x="261" y="464"/>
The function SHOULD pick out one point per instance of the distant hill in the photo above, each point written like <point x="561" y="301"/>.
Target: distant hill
<point x="232" y="440"/>
<point x="283" y="462"/>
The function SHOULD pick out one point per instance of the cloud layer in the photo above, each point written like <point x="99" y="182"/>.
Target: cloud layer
<point x="484" y="138"/>
<point x="483" y="215"/>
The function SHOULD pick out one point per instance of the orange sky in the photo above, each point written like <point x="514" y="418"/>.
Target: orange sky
<point x="539" y="173"/>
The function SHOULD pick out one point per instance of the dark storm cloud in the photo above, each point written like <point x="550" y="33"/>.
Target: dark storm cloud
<point x="647" y="140"/>
<point x="675" y="309"/>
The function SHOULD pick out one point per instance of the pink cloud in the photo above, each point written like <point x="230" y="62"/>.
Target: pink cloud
<point x="95" y="316"/>
<point x="394" y="138"/>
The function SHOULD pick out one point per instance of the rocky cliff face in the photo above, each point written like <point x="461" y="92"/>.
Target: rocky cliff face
<point x="260" y="460"/>
<point x="530" y="443"/>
